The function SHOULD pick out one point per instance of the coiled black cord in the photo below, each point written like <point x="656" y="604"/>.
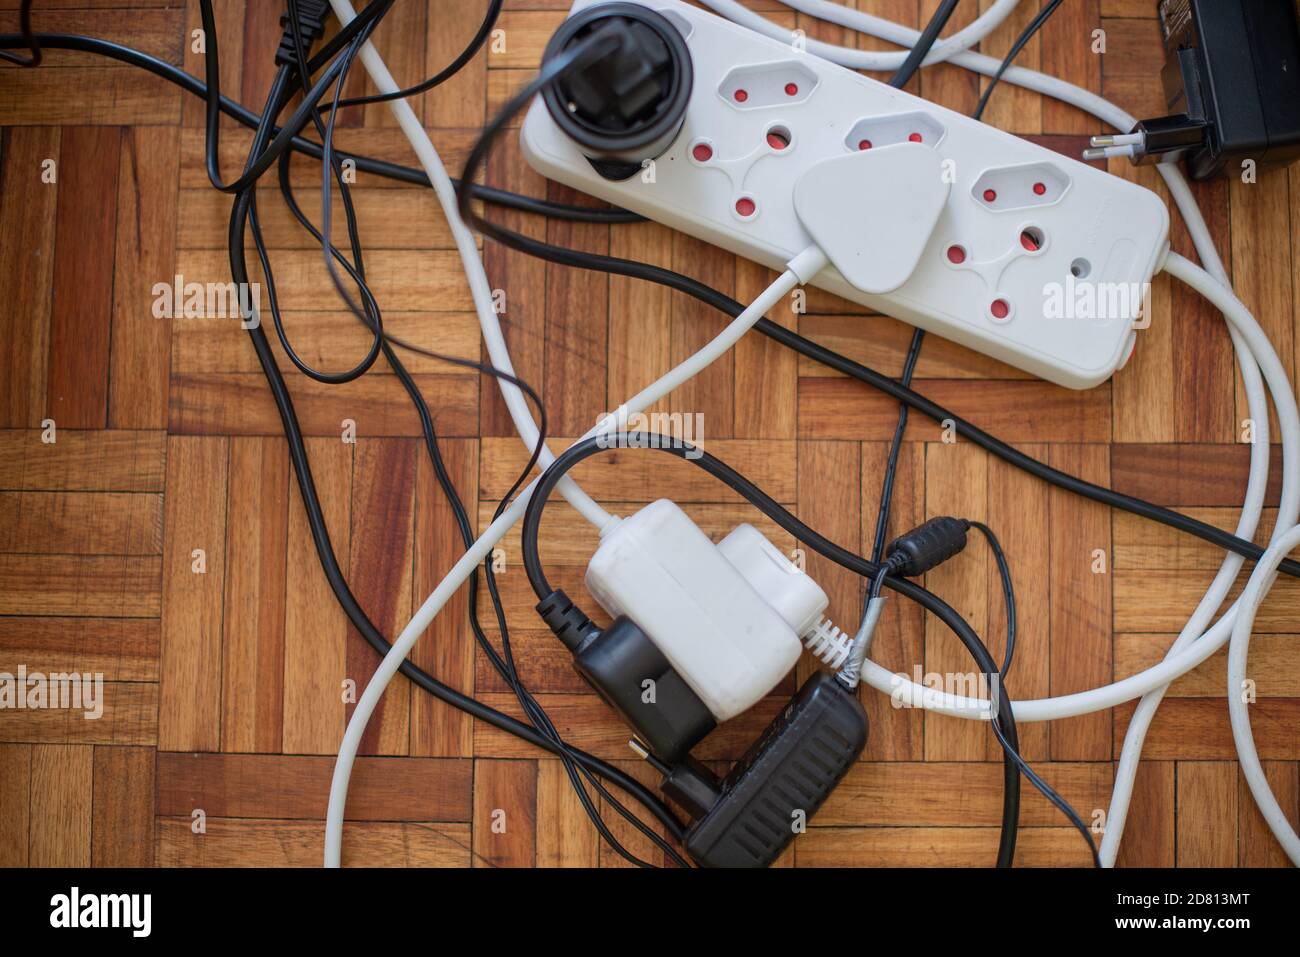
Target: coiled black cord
<point x="320" y="534"/>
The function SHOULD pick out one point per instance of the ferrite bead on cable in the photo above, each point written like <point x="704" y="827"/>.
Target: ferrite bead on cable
<point x="927" y="546"/>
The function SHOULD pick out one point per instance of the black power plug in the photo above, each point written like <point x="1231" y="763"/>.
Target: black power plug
<point x="634" y="678"/>
<point x="1232" y="84"/>
<point x="625" y="107"/>
<point x="312" y="15"/>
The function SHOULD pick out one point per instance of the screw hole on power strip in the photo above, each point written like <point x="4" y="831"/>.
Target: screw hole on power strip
<point x="1033" y="239"/>
<point x="778" y="138"/>
<point x="1080" y="268"/>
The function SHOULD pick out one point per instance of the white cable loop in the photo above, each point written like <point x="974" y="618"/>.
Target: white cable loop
<point x="1252" y="346"/>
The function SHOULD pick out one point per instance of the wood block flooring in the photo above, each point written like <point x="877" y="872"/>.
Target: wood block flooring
<point x="160" y="539"/>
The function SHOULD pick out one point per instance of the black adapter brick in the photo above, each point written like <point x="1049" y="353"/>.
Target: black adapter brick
<point x="793" y="767"/>
<point x="1234" y="65"/>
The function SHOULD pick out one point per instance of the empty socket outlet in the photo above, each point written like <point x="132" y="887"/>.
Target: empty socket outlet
<point x="1020" y="187"/>
<point x="768" y="84"/>
<point x="898" y="128"/>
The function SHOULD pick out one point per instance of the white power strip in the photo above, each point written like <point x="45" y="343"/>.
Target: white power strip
<point x="1020" y="253"/>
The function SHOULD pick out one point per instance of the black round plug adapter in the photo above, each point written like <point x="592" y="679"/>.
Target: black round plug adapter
<point x="628" y="106"/>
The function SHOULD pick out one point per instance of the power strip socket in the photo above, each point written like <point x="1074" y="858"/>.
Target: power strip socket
<point x="1033" y="258"/>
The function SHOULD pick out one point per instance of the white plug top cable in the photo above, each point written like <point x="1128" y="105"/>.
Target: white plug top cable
<point x="1246" y="337"/>
<point x="806" y="264"/>
<point x="947" y="49"/>
<point x="1191" y="636"/>
<point x="480" y="289"/>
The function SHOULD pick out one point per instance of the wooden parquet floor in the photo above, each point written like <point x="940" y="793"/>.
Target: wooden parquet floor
<point x="160" y="539"/>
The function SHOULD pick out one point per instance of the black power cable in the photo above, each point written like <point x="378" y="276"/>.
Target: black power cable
<point x="447" y="72"/>
<point x="665" y="277"/>
<point x="325" y="550"/>
<point x="1004" y="721"/>
<point x="530" y="705"/>
<point x="1008" y="592"/>
<point x="405" y="174"/>
<point x="918" y="335"/>
<point x="29" y="40"/>
<point x="924" y="43"/>
<point x="1034" y="25"/>
<point x="941" y="16"/>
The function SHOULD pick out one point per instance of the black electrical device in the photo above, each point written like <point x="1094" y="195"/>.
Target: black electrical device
<point x="633" y="677"/>
<point x="1232" y="86"/>
<point x="626" y="107"/>
<point x="752" y="815"/>
<point x="749" y="817"/>
<point x="629" y="671"/>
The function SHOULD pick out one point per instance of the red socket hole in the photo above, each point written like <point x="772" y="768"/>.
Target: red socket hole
<point x="702" y="152"/>
<point x="956" y="255"/>
<point x="745" y="206"/>
<point x="741" y="96"/>
<point x="791" y="89"/>
<point x="864" y="144"/>
<point x="1000" y="308"/>
<point x="778" y="139"/>
<point x="1031" y="239"/>
<point x="990" y="195"/>
<point x="915" y="138"/>
<point x="1040" y="189"/>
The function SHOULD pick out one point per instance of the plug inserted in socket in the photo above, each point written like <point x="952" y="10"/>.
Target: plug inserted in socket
<point x="872" y="212"/>
<point x="1113" y="231"/>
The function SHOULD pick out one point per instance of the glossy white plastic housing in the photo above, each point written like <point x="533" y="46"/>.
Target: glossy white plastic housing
<point x="658" y="568"/>
<point x="1023" y="233"/>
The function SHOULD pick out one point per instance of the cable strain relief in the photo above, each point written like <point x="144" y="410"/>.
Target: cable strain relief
<point x="312" y="15"/>
<point x="567" y="621"/>
<point x="927" y="546"/>
<point x="827" y="643"/>
<point x="808" y="263"/>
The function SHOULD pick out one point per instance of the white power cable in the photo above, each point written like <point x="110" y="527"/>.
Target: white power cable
<point x="945" y="49"/>
<point x="800" y="269"/>
<point x="1252" y="507"/>
<point x="1153" y="679"/>
<point x="1285" y="537"/>
<point x="1256" y="588"/>
<point x="1204" y="244"/>
<point x="479" y="288"/>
